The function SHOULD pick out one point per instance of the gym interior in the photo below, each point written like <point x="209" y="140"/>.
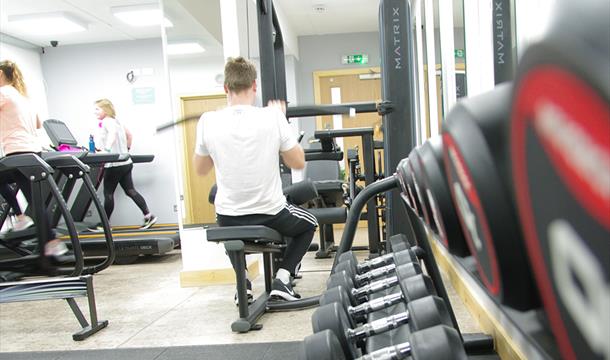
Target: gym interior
<point x="463" y="212"/>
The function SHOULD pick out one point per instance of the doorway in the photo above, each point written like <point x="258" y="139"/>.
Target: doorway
<point x="197" y="188"/>
<point x="347" y="86"/>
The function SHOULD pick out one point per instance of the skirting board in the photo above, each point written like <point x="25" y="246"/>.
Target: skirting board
<point x="195" y="278"/>
<point x="509" y="342"/>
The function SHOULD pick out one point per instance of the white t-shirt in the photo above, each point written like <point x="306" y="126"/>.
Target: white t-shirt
<point x="244" y="142"/>
<point x="113" y="138"/>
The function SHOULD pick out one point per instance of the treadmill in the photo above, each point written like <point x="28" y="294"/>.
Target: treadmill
<point x="129" y="241"/>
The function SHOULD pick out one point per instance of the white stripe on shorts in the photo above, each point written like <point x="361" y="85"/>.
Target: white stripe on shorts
<point x="302" y="214"/>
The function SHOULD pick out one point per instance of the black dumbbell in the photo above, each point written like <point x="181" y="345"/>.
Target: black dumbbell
<point x="400" y="242"/>
<point x="359" y="294"/>
<point x="411" y="288"/>
<point x="435" y="343"/>
<point x="421" y="314"/>
<point x="347" y="267"/>
<point x="367" y="277"/>
<point x="390" y="258"/>
<point x="365" y="272"/>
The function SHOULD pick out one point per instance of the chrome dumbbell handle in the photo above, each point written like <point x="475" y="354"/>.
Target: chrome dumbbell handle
<point x="375" y="305"/>
<point x="396" y="352"/>
<point x="375" y="274"/>
<point x="375" y="287"/>
<point x="378" y="326"/>
<point x="376" y="262"/>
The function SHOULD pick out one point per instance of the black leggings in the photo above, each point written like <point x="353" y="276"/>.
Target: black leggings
<point x="291" y="221"/>
<point x="10" y="196"/>
<point x="113" y="176"/>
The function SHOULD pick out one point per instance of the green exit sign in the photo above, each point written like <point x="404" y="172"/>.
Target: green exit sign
<point x="355" y="59"/>
<point x="459" y="53"/>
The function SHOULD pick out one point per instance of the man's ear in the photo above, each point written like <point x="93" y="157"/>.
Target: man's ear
<point x="226" y="88"/>
<point x="254" y="86"/>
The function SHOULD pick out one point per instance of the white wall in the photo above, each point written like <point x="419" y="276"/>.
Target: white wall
<point x="77" y="75"/>
<point x="194" y="76"/>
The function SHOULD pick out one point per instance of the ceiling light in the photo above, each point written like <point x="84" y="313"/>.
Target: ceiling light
<point x="47" y="24"/>
<point x="141" y="15"/>
<point x="184" y="48"/>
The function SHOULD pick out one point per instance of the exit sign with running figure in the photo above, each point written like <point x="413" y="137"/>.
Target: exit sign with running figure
<point x="355" y="59"/>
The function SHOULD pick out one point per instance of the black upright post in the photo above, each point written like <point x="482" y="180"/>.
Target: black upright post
<point x="4" y="210"/>
<point x="83" y="199"/>
<point x="399" y="131"/>
<point x="368" y="157"/>
<point x="278" y="58"/>
<point x="266" y="50"/>
<point x="504" y="56"/>
<point x="273" y="70"/>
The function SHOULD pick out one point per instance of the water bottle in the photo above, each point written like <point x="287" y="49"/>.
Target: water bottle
<point x="91" y="144"/>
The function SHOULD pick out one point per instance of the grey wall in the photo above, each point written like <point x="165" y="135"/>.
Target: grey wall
<point x="324" y="52"/>
<point x="77" y="75"/>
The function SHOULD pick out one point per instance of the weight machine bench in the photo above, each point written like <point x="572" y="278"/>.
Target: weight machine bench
<point x="242" y="240"/>
<point x="63" y="288"/>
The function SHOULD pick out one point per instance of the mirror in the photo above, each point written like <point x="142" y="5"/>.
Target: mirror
<point x="195" y="64"/>
<point x="80" y="51"/>
<point x="460" y="49"/>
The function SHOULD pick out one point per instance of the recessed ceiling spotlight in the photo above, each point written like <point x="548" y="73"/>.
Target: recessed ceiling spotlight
<point x="319" y="8"/>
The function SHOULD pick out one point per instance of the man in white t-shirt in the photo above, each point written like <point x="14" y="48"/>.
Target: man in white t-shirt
<point x="243" y="143"/>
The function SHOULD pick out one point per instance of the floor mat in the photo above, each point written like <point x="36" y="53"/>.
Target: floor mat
<point x="250" y="351"/>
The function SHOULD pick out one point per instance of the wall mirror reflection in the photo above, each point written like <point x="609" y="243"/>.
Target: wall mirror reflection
<point x="195" y="63"/>
<point x="73" y="53"/>
<point x="369" y="86"/>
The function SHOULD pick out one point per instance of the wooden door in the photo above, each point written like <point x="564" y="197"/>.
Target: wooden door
<point x="352" y="87"/>
<point x="197" y="188"/>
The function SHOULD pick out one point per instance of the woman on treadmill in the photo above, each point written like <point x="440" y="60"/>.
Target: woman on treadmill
<point x="18" y="135"/>
<point x="115" y="138"/>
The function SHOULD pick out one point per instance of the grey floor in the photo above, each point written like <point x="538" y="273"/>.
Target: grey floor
<point x="147" y="308"/>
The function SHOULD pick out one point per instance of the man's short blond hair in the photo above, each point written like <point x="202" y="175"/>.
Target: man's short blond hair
<point x="240" y="74"/>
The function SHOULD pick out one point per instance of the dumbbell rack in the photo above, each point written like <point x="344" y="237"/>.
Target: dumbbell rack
<point x="472" y="342"/>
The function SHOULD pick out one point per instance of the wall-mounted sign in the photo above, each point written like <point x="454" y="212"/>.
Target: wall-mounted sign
<point x="143" y="95"/>
<point x="459" y="53"/>
<point x="355" y="59"/>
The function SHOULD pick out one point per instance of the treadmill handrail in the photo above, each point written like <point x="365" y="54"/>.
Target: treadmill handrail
<point x="38" y="171"/>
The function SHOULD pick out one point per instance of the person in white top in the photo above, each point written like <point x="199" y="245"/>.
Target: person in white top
<point x="244" y="144"/>
<point x="115" y="138"/>
<point x="18" y="124"/>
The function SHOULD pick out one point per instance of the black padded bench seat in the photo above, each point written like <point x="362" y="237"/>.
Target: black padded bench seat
<point x="241" y="240"/>
<point x="254" y="233"/>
